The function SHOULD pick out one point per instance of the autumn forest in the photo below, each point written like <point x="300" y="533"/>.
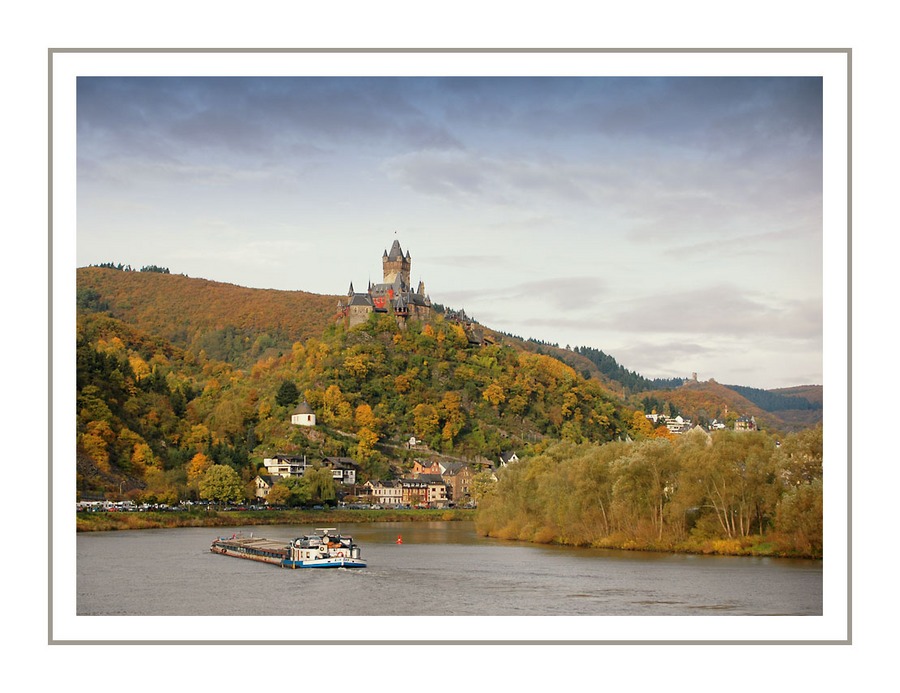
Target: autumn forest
<point x="177" y="376"/>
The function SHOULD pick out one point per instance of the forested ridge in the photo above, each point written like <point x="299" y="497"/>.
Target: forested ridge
<point x="223" y="321"/>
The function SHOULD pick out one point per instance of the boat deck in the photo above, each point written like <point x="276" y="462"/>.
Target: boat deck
<point x="255" y="543"/>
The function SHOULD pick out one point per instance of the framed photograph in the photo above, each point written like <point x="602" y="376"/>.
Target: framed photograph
<point x="505" y="253"/>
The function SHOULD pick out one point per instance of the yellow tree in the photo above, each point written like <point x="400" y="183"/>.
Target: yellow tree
<point x="452" y="413"/>
<point x="367" y="440"/>
<point x="336" y="409"/>
<point x="95" y="442"/>
<point x="279" y="494"/>
<point x="364" y="417"/>
<point x="426" y="419"/>
<point x="197" y="467"/>
<point x="198" y="437"/>
<point x="357" y="365"/>
<point x="641" y="425"/>
<point x="494" y="394"/>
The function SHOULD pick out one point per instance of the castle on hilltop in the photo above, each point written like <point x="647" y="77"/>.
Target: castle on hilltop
<point x="394" y="295"/>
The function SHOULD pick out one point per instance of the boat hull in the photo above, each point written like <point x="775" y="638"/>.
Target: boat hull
<point x="325" y="563"/>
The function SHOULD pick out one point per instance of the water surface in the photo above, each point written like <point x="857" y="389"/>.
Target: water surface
<point x="441" y="568"/>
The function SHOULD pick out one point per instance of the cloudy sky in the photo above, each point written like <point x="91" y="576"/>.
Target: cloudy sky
<point x="674" y="223"/>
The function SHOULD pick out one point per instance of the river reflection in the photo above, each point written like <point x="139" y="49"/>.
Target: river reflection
<point x="440" y="568"/>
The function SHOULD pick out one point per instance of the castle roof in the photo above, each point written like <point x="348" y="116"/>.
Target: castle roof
<point x="360" y="300"/>
<point x="396" y="251"/>
<point x="303" y="408"/>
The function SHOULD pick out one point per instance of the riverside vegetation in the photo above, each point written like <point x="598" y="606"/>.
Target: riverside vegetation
<point x="184" y="386"/>
<point x="726" y="492"/>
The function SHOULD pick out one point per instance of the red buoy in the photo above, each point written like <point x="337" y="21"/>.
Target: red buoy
<point x="399" y="539"/>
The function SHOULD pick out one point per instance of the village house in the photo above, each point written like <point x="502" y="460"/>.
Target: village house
<point x="343" y="469"/>
<point x="263" y="484"/>
<point x="508" y="457"/>
<point x="425" y="489"/>
<point x="286" y="465"/>
<point x="425" y="467"/>
<point x="745" y="423"/>
<point x="387" y="493"/>
<point x="678" y="424"/>
<point x="458" y="477"/>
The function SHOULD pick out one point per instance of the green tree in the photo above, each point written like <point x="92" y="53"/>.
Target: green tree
<point x="319" y="484"/>
<point x="799" y="459"/>
<point x="221" y="484"/>
<point x="800" y="517"/>
<point x="287" y="394"/>
<point x="290" y="491"/>
<point x="482" y="485"/>
<point x="426" y="420"/>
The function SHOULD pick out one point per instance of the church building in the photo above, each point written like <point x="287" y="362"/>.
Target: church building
<point x="394" y="295"/>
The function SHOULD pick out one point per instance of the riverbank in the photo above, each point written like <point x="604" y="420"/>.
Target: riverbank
<point x="769" y="546"/>
<point x="111" y="521"/>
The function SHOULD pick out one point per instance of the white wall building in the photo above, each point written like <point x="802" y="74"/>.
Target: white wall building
<point x="303" y="416"/>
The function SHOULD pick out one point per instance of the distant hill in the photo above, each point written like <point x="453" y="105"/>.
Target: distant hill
<point x="787" y="399"/>
<point x="786" y="409"/>
<point x="811" y="393"/>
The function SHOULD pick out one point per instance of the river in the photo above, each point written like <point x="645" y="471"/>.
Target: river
<point x="440" y="569"/>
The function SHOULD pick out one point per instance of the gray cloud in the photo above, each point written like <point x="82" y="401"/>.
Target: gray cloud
<point x="156" y="117"/>
<point x="720" y="311"/>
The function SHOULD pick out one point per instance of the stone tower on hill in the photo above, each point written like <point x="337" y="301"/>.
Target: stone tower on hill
<point x="393" y="295"/>
<point x="395" y="264"/>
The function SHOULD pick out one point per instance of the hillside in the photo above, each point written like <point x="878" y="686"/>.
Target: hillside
<point x="811" y="393"/>
<point x="176" y="373"/>
<point x="227" y="322"/>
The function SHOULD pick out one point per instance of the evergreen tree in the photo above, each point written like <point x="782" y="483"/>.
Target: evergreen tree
<point x="287" y="395"/>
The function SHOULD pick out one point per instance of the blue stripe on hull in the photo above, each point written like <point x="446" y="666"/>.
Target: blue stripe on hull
<point x="330" y="564"/>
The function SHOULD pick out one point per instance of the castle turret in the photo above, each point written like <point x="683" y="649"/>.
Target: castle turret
<point x="395" y="264"/>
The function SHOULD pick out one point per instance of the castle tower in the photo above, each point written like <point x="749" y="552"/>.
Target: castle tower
<point x="395" y="264"/>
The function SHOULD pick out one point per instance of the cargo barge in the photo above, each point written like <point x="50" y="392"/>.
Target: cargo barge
<point x="325" y="549"/>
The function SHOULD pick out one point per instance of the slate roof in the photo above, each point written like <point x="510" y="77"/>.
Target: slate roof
<point x="340" y="461"/>
<point x="360" y="300"/>
<point x="396" y="252"/>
